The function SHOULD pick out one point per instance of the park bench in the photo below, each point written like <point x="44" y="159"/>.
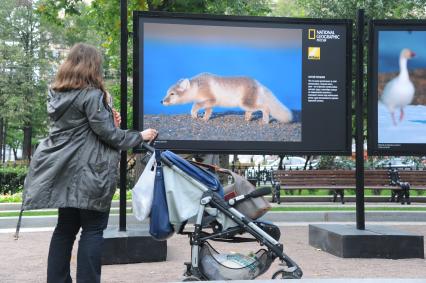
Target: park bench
<point x="338" y="181"/>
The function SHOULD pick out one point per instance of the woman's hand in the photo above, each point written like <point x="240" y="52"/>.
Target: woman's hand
<point x="149" y="134"/>
<point x="117" y="118"/>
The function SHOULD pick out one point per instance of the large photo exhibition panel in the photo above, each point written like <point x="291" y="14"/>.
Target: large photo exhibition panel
<point x="242" y="84"/>
<point x="397" y="88"/>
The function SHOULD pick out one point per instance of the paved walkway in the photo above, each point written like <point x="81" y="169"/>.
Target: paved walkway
<point x="346" y="280"/>
<point x="25" y="260"/>
<point x="351" y="280"/>
<point x="276" y="217"/>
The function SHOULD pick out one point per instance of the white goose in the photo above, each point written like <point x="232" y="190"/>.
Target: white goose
<point x="399" y="91"/>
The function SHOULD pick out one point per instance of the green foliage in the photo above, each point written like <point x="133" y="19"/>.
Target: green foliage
<point x="344" y="163"/>
<point x="49" y="9"/>
<point x="326" y="162"/>
<point x="373" y="9"/>
<point x="12" y="179"/>
<point x="336" y="162"/>
<point x="117" y="195"/>
<point x="24" y="70"/>
<point x="289" y="8"/>
<point x="7" y="198"/>
<point x="101" y="19"/>
<point x="239" y="7"/>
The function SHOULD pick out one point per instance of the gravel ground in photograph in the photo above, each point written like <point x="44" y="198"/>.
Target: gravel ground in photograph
<point x="229" y="126"/>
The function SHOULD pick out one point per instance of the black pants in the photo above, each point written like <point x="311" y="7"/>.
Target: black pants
<point x="70" y="220"/>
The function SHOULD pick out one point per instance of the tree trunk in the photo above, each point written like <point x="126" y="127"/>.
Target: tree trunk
<point x="308" y="157"/>
<point x="15" y="153"/>
<point x="224" y="163"/>
<point x="1" y="139"/>
<point x="280" y="165"/>
<point x="224" y="160"/>
<point x="26" y="151"/>
<point x="4" y="140"/>
<point x="236" y="158"/>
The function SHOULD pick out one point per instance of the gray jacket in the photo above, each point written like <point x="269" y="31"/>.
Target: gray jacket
<point x="76" y="165"/>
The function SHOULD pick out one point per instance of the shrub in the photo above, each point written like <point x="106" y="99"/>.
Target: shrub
<point x="12" y="179"/>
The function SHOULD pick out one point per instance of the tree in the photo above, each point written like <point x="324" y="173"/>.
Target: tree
<point x="25" y="68"/>
<point x="373" y="9"/>
<point x="103" y="16"/>
<point x="288" y="8"/>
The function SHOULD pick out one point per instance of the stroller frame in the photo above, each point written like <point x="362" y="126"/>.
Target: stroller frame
<point x="211" y="199"/>
<point x="275" y="249"/>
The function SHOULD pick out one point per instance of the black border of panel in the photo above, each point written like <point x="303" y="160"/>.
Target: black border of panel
<point x="212" y="146"/>
<point x="372" y="122"/>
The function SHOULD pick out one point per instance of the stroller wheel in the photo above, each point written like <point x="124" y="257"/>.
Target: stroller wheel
<point x="282" y="274"/>
<point x="191" y="278"/>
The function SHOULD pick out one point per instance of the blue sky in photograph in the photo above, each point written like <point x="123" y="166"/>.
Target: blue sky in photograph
<point x="272" y="59"/>
<point x="392" y="42"/>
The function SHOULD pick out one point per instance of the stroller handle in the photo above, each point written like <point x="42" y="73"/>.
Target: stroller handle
<point x="148" y="147"/>
<point x="260" y="192"/>
<point x="152" y="150"/>
<point x="256" y="193"/>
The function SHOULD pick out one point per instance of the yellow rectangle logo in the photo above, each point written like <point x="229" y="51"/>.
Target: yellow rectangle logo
<point x="311" y="33"/>
<point x="314" y="53"/>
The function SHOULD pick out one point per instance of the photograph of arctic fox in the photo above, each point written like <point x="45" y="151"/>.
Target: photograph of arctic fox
<point x="402" y="87"/>
<point x="206" y="91"/>
<point x="222" y="83"/>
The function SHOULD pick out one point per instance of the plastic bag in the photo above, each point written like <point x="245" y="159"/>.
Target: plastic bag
<point x="143" y="191"/>
<point x="159" y="225"/>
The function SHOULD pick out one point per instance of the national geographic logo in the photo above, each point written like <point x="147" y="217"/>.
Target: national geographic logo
<point x="322" y="35"/>
<point x="311" y="33"/>
<point x="314" y="53"/>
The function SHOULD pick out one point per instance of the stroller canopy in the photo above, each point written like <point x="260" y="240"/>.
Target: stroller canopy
<point x="203" y="176"/>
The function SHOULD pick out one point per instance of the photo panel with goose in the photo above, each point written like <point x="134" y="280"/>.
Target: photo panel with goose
<point x="222" y="84"/>
<point x="398" y="88"/>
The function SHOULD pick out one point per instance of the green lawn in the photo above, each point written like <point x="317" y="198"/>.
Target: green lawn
<point x="284" y="209"/>
<point x="342" y="208"/>
<point x="44" y="213"/>
<point x="18" y="197"/>
<point x="367" y="192"/>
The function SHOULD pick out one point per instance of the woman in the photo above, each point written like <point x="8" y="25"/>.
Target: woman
<point x="75" y="168"/>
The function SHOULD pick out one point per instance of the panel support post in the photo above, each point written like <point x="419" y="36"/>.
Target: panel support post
<point x="123" y="110"/>
<point x="359" y="128"/>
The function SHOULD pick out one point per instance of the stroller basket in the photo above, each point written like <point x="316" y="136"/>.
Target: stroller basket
<point x="217" y="266"/>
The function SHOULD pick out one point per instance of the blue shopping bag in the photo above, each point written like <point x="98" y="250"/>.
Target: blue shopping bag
<point x="159" y="226"/>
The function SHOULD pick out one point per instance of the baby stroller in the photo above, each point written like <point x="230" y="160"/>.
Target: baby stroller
<point x="192" y="191"/>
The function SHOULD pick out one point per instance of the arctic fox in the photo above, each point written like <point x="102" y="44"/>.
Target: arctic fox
<point x="208" y="90"/>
